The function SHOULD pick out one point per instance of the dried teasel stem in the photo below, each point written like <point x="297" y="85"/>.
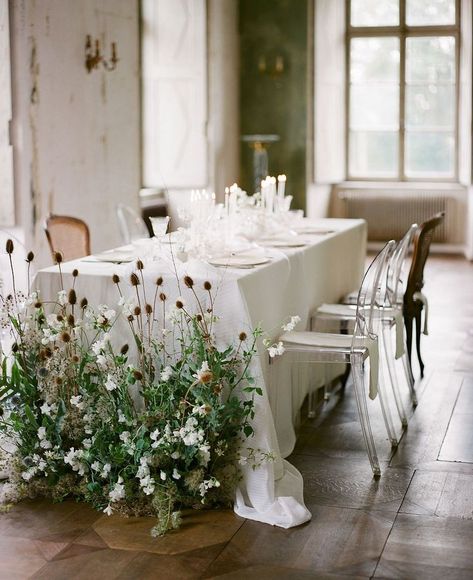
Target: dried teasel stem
<point x="29" y="259"/>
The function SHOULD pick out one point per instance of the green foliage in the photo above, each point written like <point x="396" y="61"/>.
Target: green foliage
<point x="145" y="430"/>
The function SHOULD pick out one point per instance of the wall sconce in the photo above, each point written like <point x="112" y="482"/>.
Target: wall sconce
<point x="274" y="71"/>
<point x="93" y="59"/>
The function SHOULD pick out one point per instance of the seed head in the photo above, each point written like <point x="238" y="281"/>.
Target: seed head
<point x="137" y="375"/>
<point x="124" y="349"/>
<point x="134" y="280"/>
<point x="199" y="317"/>
<point x="179" y="304"/>
<point x="139" y="265"/>
<point x="162" y="296"/>
<point x="30" y="257"/>
<point x="130" y="318"/>
<point x="38" y="304"/>
<point x="242" y="336"/>
<point x="207" y="285"/>
<point x="58" y="257"/>
<point x="148" y="309"/>
<point x="206" y="377"/>
<point x="75" y="358"/>
<point x="9" y="247"/>
<point x="116" y="279"/>
<point x="59" y="317"/>
<point x="137" y="311"/>
<point x="75" y="273"/>
<point x="188" y="281"/>
<point x="70" y="320"/>
<point x="84" y="302"/>
<point x="65" y="337"/>
<point x="159" y="281"/>
<point x="72" y="298"/>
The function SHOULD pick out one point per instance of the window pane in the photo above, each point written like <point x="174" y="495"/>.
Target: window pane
<point x="430" y="106"/>
<point x="429" y="12"/>
<point x="430" y="59"/>
<point x="374" y="59"/>
<point x="430" y="154"/>
<point x="373" y="154"/>
<point x="374" y="13"/>
<point x="374" y="107"/>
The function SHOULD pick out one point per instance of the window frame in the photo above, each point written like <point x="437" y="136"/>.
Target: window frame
<point x="402" y="32"/>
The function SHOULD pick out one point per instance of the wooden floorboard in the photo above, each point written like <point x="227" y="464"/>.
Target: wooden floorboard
<point x="415" y="522"/>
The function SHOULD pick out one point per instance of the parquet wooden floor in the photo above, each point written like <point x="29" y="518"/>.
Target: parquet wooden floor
<point x="415" y="522"/>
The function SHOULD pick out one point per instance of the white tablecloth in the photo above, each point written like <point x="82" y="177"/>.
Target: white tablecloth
<point x="294" y="282"/>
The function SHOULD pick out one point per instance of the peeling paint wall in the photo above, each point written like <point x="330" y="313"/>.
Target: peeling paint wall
<point x="76" y="135"/>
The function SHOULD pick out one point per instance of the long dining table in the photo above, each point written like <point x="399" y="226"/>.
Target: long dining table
<point x="327" y="265"/>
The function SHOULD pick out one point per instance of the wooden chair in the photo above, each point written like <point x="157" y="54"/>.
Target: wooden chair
<point x="414" y="299"/>
<point x="68" y="235"/>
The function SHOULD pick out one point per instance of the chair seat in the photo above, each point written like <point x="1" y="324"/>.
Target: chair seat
<point x="348" y="311"/>
<point x="323" y="344"/>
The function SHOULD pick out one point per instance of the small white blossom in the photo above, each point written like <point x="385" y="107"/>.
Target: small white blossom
<point x="166" y="373"/>
<point x="76" y="401"/>
<point x="47" y="409"/>
<point x="108" y="510"/>
<point x="110" y="384"/>
<point x="62" y="297"/>
<point x="106" y="470"/>
<point x="176" y="474"/>
<point x="125" y="436"/>
<point x="291" y="324"/>
<point x="118" y="491"/>
<point x="204" y="369"/>
<point x="163" y="475"/>
<point x="276" y="350"/>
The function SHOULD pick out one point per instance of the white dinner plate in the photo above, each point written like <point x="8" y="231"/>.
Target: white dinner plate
<point x="293" y="242"/>
<point x="239" y="261"/>
<point x="116" y="257"/>
<point x="313" y="230"/>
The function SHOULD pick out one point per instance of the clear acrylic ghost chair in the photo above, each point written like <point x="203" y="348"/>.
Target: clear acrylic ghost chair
<point x="331" y="317"/>
<point x="131" y="225"/>
<point x="355" y="349"/>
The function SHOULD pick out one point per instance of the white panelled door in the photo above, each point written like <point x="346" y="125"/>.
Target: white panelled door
<point x="7" y="209"/>
<point x="174" y="73"/>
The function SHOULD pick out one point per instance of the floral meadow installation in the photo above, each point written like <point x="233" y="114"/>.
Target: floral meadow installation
<point x="150" y="427"/>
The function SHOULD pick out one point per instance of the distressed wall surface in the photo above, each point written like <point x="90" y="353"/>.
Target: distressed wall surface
<point x="270" y="101"/>
<point x="76" y="135"/>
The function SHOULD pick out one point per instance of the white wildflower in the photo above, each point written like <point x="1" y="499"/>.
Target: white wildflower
<point x="163" y="475"/>
<point x="176" y="474"/>
<point x="125" y="436"/>
<point x="110" y="384"/>
<point x="76" y="401"/>
<point x="166" y="373"/>
<point x="276" y="350"/>
<point x="62" y="297"/>
<point x="118" y="491"/>
<point x="47" y="409"/>
<point x="108" y="510"/>
<point x="106" y="470"/>
<point x="291" y="324"/>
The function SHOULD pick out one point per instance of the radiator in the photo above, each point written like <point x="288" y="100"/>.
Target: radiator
<point x="389" y="214"/>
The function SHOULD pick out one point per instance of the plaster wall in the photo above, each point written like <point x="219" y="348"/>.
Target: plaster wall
<point x="76" y="135"/>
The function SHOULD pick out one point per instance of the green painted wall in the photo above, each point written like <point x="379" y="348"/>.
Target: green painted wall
<point x="275" y="104"/>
